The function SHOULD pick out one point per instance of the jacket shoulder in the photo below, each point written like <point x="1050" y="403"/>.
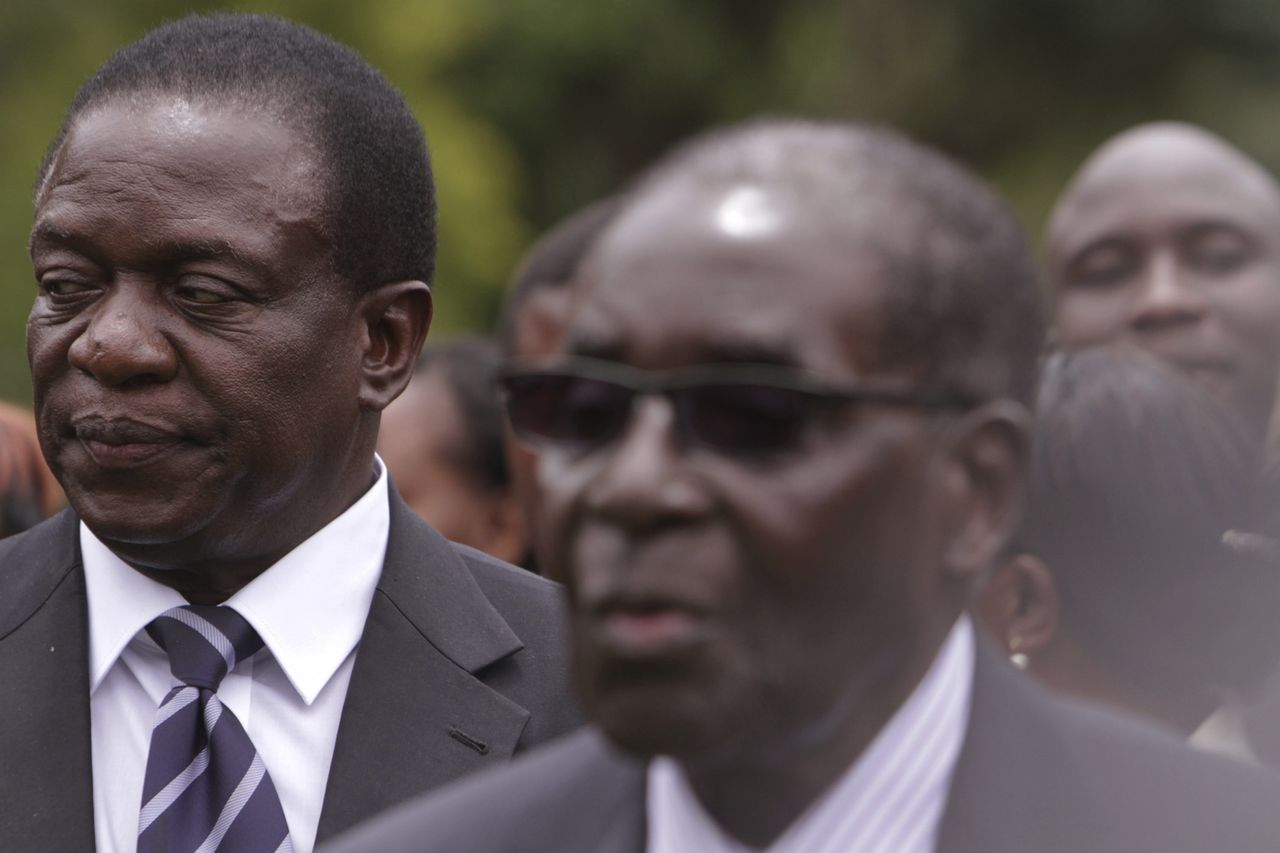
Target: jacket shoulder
<point x="510" y="586"/>
<point x="537" y="676"/>
<point x="1038" y="772"/>
<point x="1148" y="786"/>
<point x="32" y="565"/>
<point x="561" y="797"/>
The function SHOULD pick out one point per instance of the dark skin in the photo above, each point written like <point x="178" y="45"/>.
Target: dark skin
<point x="761" y="620"/>
<point x="1169" y="239"/>
<point x="539" y="331"/>
<point x="207" y="389"/>
<point x="423" y="442"/>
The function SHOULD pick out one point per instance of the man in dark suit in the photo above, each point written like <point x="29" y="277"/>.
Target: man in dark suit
<point x="238" y="634"/>
<point x="788" y="436"/>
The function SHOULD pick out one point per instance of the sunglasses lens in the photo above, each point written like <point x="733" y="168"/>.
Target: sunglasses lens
<point x="746" y="419"/>
<point x="564" y="409"/>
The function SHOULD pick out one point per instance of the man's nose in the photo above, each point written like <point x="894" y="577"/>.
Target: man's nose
<point x="1168" y="297"/>
<point x="646" y="481"/>
<point x="122" y="343"/>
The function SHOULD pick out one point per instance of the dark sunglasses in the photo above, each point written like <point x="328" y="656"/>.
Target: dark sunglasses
<point x="743" y="410"/>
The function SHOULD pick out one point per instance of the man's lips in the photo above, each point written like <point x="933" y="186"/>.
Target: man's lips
<point x="123" y="442"/>
<point x="648" y="628"/>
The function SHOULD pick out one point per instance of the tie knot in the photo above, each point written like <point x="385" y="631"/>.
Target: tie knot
<point x="204" y="643"/>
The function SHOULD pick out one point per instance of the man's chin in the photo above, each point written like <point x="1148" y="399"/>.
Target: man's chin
<point x="645" y="726"/>
<point x="120" y="522"/>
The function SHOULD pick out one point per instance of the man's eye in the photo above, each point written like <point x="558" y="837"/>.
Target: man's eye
<point x="1103" y="266"/>
<point x="204" y="297"/>
<point x="1219" y="252"/>
<point x="202" y="290"/>
<point x="62" y="287"/>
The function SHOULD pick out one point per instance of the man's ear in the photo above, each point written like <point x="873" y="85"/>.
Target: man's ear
<point x="1018" y="605"/>
<point x="988" y="456"/>
<point x="395" y="319"/>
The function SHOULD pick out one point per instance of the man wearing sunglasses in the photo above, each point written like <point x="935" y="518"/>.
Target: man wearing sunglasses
<point x="788" y="437"/>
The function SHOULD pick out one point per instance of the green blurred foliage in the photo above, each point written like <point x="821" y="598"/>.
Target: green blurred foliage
<point x="535" y="107"/>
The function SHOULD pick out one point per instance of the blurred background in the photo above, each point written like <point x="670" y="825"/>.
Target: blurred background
<point x="535" y="107"/>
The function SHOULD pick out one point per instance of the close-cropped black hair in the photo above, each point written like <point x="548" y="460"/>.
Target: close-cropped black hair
<point x="1141" y="490"/>
<point x="551" y="263"/>
<point x="963" y="301"/>
<point x="380" y="208"/>
<point x="470" y="368"/>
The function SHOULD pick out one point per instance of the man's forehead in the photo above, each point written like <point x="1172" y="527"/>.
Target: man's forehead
<point x="748" y="222"/>
<point x="198" y="162"/>
<point x="731" y="271"/>
<point x="185" y="139"/>
<point x="1186" y="167"/>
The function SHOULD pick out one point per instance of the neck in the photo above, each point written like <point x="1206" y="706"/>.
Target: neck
<point x="211" y="583"/>
<point x="216" y="576"/>
<point x="758" y="794"/>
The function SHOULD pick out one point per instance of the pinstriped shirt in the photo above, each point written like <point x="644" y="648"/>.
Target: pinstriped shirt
<point x="889" y="801"/>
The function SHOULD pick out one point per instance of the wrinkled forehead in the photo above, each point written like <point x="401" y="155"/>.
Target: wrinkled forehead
<point x="743" y="272"/>
<point x="1163" y="180"/>
<point x="169" y="142"/>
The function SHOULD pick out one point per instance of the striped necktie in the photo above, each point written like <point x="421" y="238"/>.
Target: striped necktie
<point x="206" y="788"/>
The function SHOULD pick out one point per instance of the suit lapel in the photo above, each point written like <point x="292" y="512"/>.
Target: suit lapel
<point x="416" y="716"/>
<point x="46" y="791"/>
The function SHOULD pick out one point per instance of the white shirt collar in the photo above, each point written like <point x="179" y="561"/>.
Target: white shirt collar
<point x="309" y="608"/>
<point x="892" y="797"/>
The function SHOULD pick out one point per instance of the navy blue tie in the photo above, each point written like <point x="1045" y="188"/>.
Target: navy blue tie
<point x="206" y="787"/>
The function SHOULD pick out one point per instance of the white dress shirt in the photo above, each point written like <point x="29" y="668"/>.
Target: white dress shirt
<point x="309" y="608"/>
<point x="889" y="801"/>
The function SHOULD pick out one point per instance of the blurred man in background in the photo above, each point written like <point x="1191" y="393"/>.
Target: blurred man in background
<point x="1168" y="238"/>
<point x="28" y="492"/>
<point x="531" y="327"/>
<point x="442" y="442"/>
<point x="786" y="438"/>
<point x="1137" y="578"/>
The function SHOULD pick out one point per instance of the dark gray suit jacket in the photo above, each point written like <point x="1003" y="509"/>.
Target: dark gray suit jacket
<point x="1035" y="775"/>
<point x="462" y="664"/>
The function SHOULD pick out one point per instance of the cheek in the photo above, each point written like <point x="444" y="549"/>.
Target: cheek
<point x="309" y="371"/>
<point x="1087" y="318"/>
<point x="1251" y="311"/>
<point x="47" y="347"/>
<point x="560" y="483"/>
<point x="825" y="510"/>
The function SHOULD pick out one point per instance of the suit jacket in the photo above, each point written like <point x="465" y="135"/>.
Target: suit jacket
<point x="462" y="663"/>
<point x="1260" y="720"/>
<point x="1036" y="774"/>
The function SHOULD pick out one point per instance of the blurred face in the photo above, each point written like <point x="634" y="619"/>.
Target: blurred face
<point x="1170" y="241"/>
<point x="721" y="603"/>
<point x="195" y="366"/>
<point x="539" y="331"/>
<point x="423" y="442"/>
